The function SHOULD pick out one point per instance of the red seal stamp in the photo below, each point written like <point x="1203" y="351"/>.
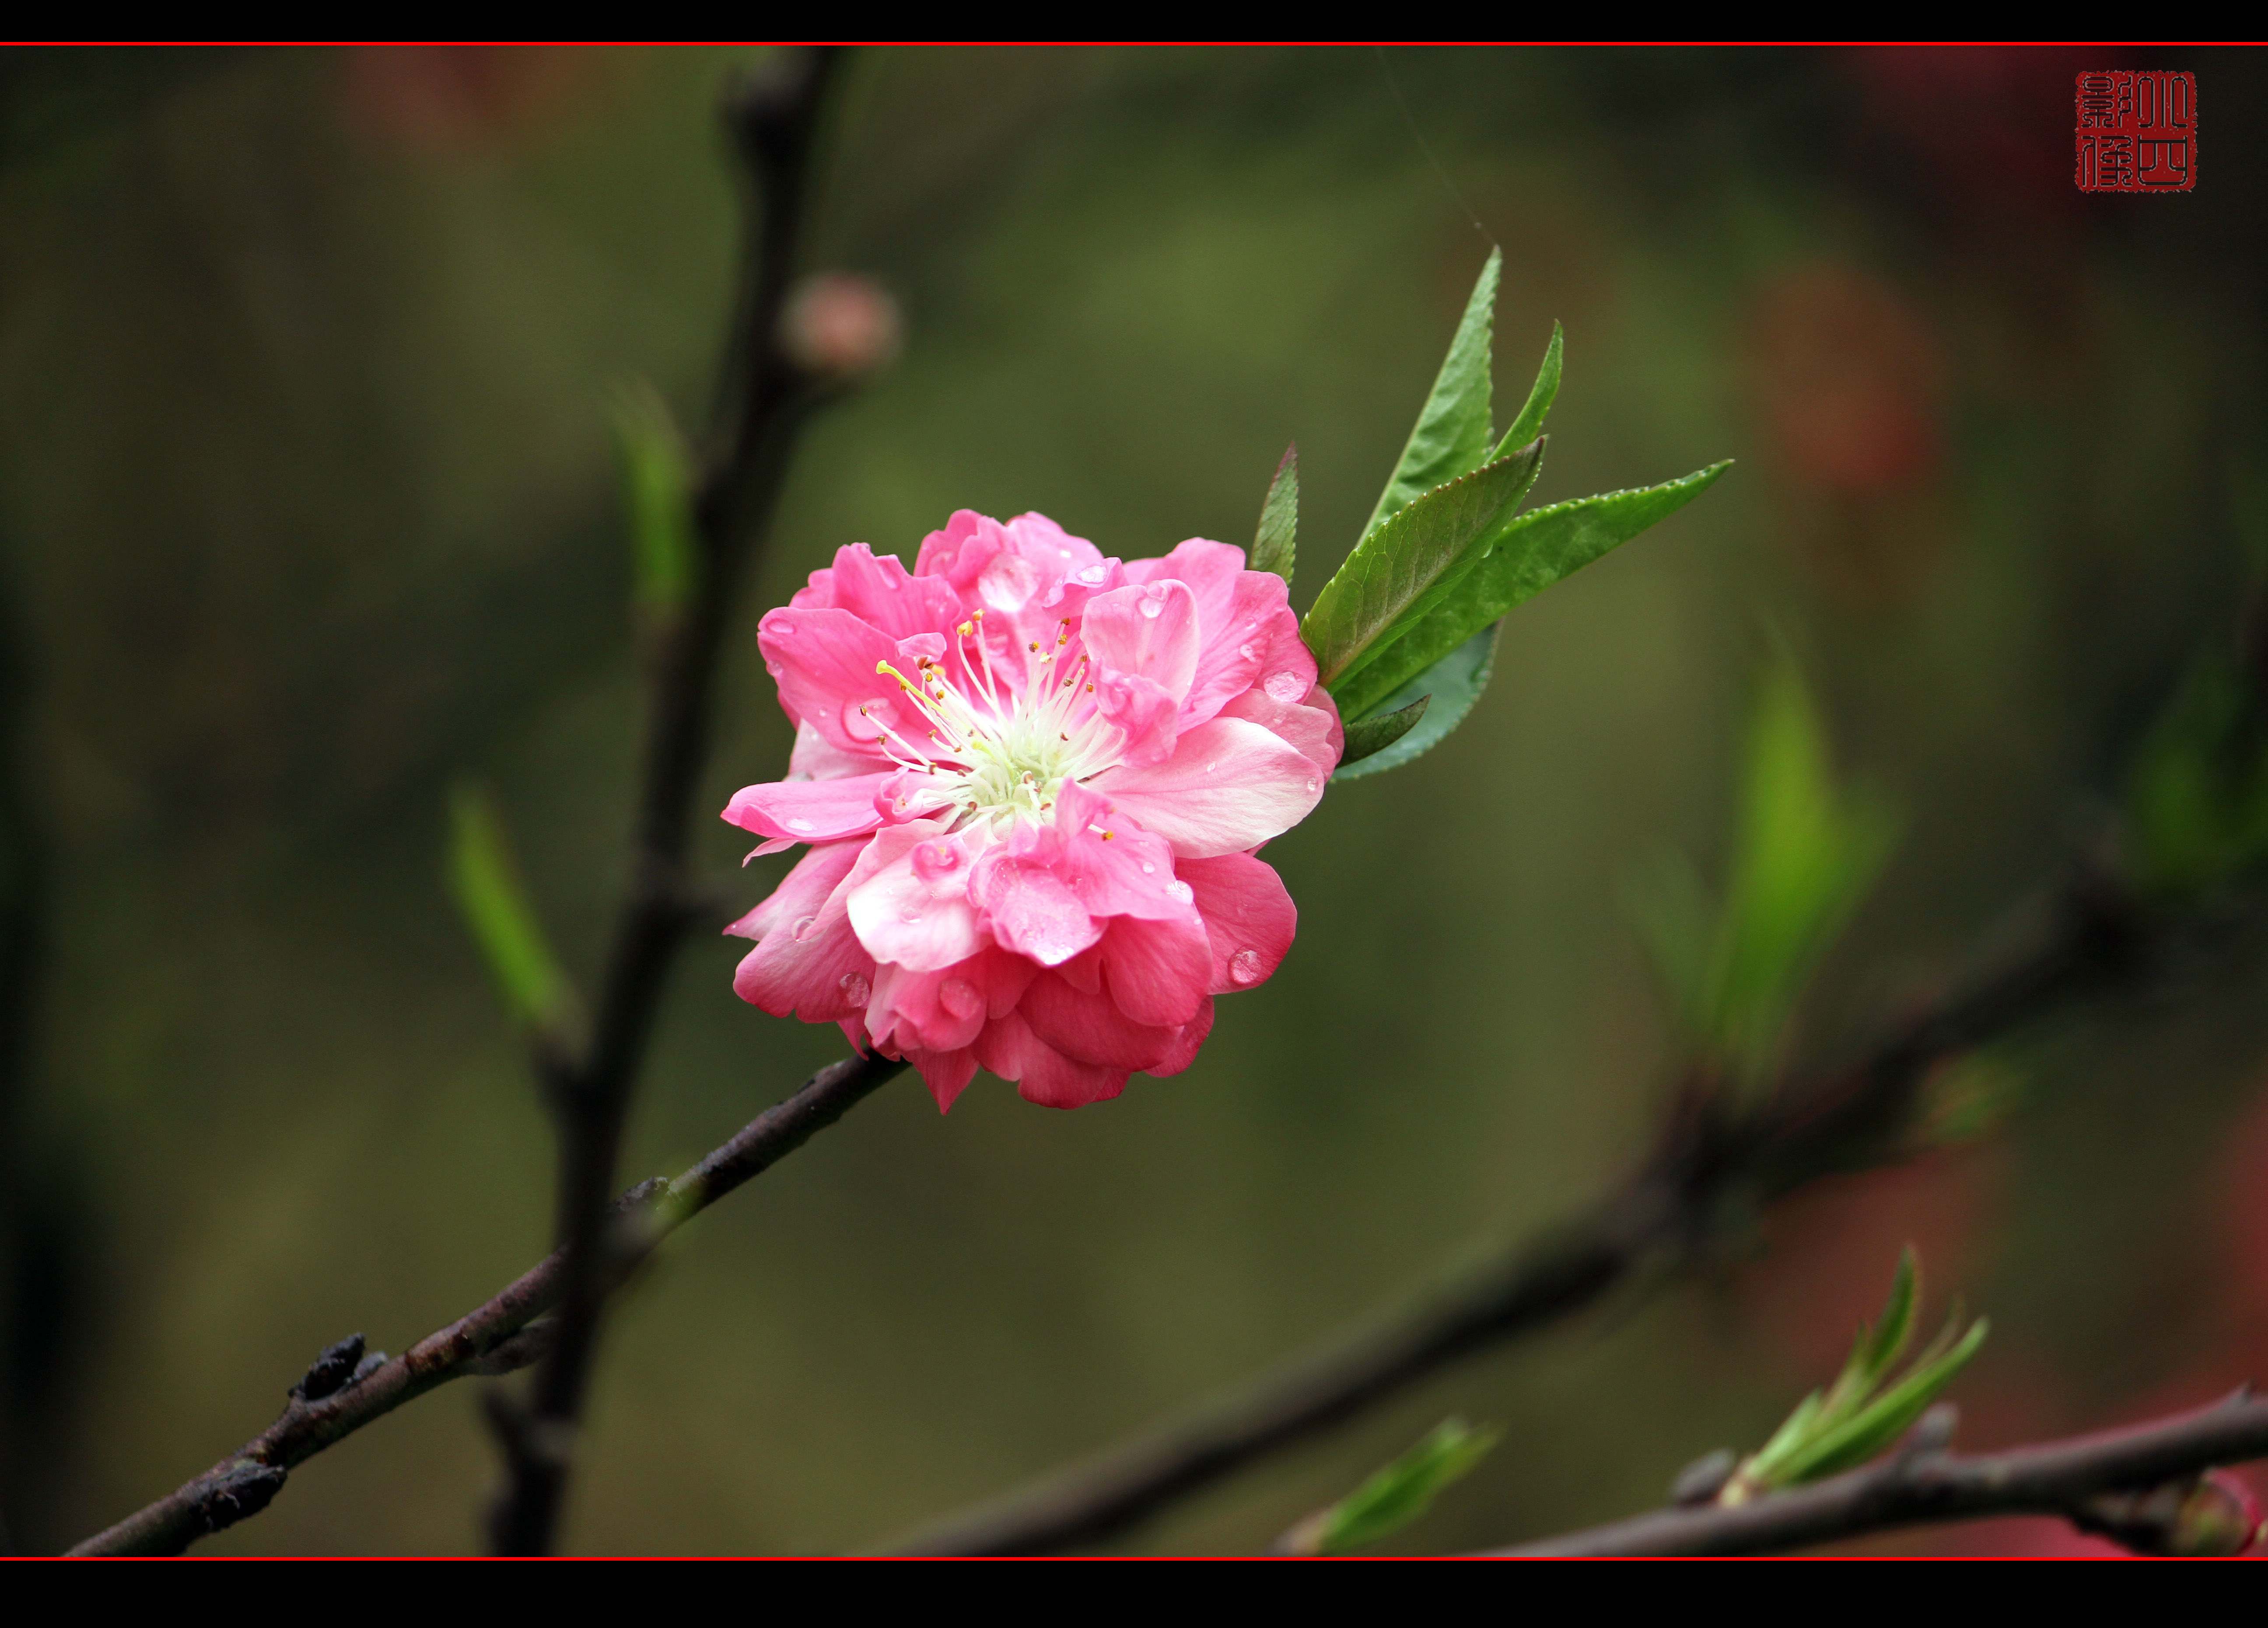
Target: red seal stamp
<point x="2137" y="132"/>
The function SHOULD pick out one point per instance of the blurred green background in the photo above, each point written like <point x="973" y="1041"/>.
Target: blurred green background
<point x="308" y="507"/>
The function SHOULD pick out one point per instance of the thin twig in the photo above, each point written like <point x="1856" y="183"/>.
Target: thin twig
<point x="1672" y="1206"/>
<point x="764" y="397"/>
<point x="2135" y="1486"/>
<point x="495" y="1336"/>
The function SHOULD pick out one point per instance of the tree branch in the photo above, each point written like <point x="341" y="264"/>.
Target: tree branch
<point x="764" y="397"/>
<point x="1671" y="1206"/>
<point x="495" y="1337"/>
<point x="2138" y="1487"/>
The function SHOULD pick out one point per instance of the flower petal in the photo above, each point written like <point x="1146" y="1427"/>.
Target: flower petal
<point x="1090" y="1028"/>
<point x="878" y="591"/>
<point x="912" y="905"/>
<point x="1242" y="618"/>
<point x="946" y="1073"/>
<point x="1159" y="971"/>
<point x="1311" y="724"/>
<point x="811" y="965"/>
<point x="1249" y="918"/>
<point x="1029" y="907"/>
<point x="1186" y="1040"/>
<point x="1146" y="714"/>
<point x="809" y="810"/>
<point x="937" y="1011"/>
<point x="1230" y="786"/>
<point x="814" y="756"/>
<point x="827" y="665"/>
<point x="1116" y="868"/>
<point x="803" y="891"/>
<point x="1043" y="1074"/>
<point x="1148" y="631"/>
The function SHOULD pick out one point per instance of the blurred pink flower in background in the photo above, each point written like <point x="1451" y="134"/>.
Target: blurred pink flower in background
<point x="1034" y="780"/>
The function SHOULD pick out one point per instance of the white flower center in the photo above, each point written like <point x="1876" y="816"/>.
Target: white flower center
<point x="995" y="752"/>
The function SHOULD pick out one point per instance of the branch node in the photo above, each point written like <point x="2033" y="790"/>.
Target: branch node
<point x="1932" y="1435"/>
<point x="242" y="1491"/>
<point x="339" y="1366"/>
<point x="1700" y="1481"/>
<point x="526" y="1345"/>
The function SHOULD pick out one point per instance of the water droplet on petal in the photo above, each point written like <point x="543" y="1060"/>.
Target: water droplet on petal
<point x="800" y="824"/>
<point x="1180" y="891"/>
<point x="959" y="997"/>
<point x="855" y="987"/>
<point x="781" y="629"/>
<point x="1244" y="966"/>
<point x="1313" y="785"/>
<point x="1286" y="688"/>
<point x="1247" y="651"/>
<point x="1151" y="606"/>
<point x="801" y="930"/>
<point x="1148" y="869"/>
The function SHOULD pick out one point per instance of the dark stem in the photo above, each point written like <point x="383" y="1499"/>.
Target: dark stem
<point x="2088" y="1480"/>
<point x="508" y="1331"/>
<point x="772" y="117"/>
<point x="1670" y="1208"/>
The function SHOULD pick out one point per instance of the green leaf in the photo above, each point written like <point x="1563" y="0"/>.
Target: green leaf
<point x="1763" y="1468"/>
<point x="1530" y="423"/>
<point x="1404" y="1490"/>
<point x="1451" y="435"/>
<point x="1407" y="566"/>
<point x="1850" y="1423"/>
<point x="1524" y="557"/>
<point x="487" y="890"/>
<point x="1274" y="545"/>
<point x="2196" y="796"/>
<point x="1807" y="856"/>
<point x="1890" y="1336"/>
<point x="1452" y="685"/>
<point x="658" y="493"/>
<point x="1373" y="735"/>
<point x="1889" y="1416"/>
<point x="1878" y="1346"/>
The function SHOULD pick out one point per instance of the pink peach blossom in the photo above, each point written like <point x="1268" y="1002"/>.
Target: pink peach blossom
<point x="1034" y="781"/>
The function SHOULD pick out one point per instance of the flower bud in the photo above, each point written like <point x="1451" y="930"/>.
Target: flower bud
<point x="2214" y="1514"/>
<point x="840" y="326"/>
<point x="2222" y="1516"/>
